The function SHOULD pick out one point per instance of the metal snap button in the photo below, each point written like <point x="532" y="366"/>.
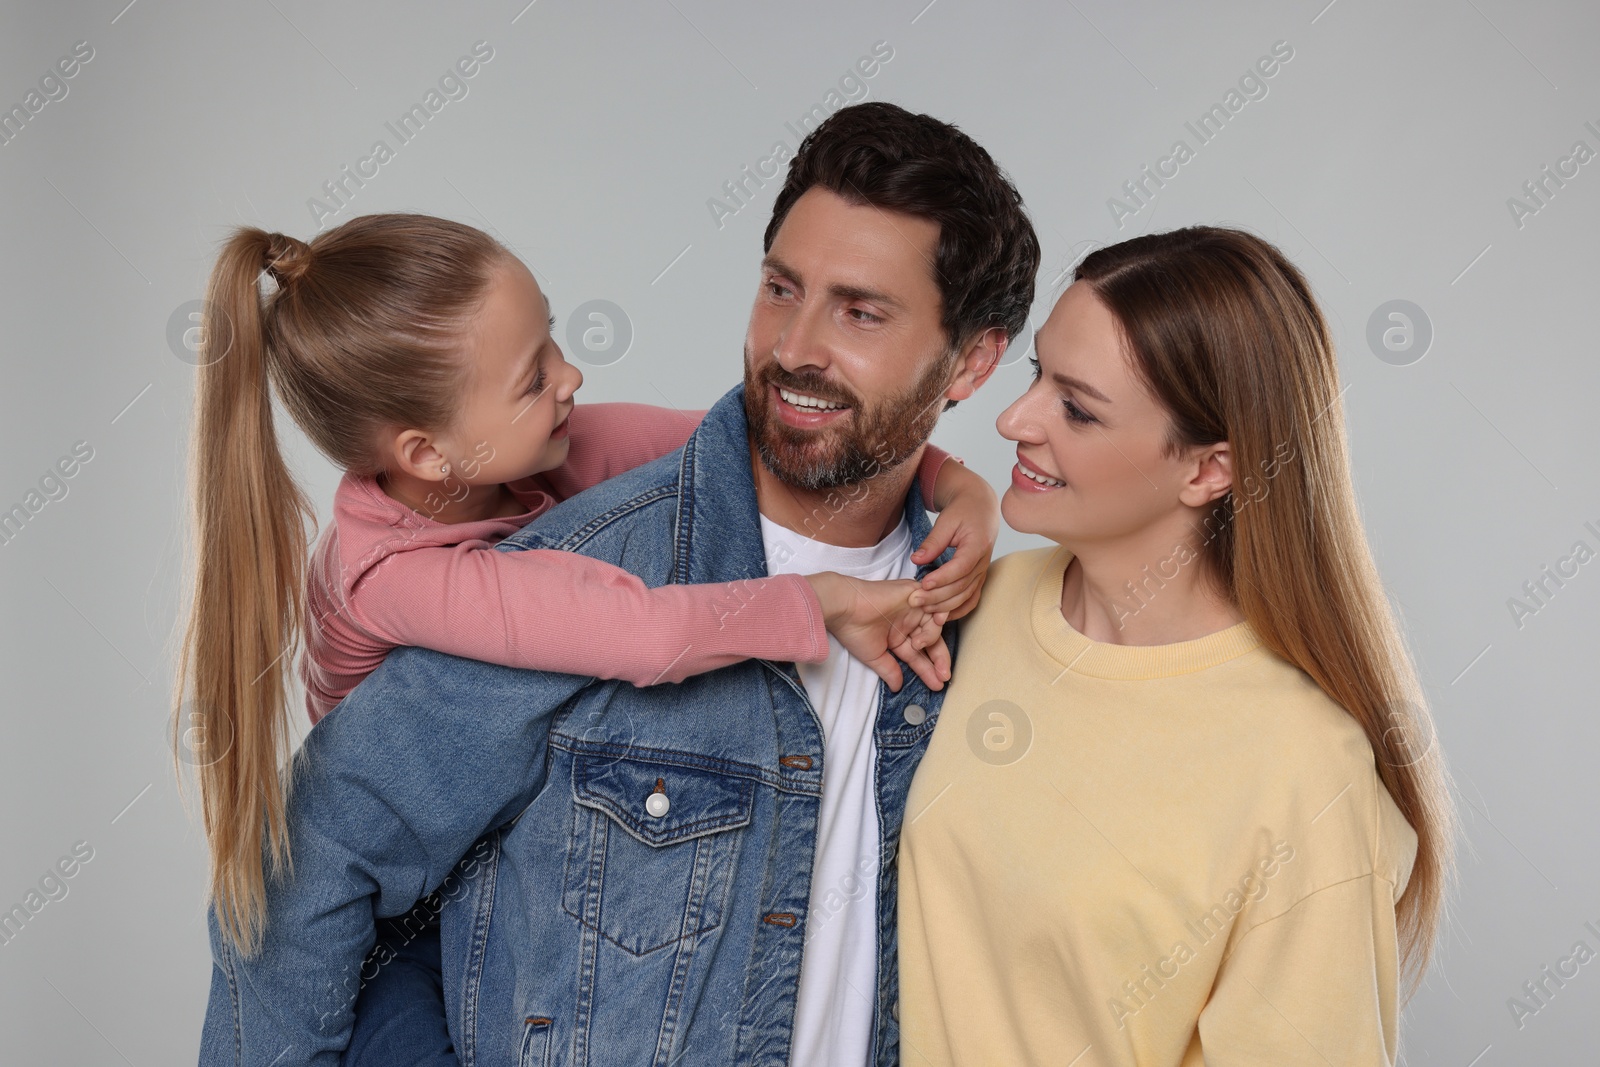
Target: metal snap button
<point x="916" y="714"/>
<point x="657" y="804"/>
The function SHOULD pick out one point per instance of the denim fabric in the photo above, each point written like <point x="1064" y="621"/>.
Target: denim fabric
<point x="400" y="1017"/>
<point x="586" y="928"/>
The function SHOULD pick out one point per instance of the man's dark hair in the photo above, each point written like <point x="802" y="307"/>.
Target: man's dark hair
<point x="880" y="154"/>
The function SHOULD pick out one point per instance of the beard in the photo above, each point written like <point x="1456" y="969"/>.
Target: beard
<point x="867" y="441"/>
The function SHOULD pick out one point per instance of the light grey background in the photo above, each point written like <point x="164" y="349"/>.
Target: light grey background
<point x="1381" y="161"/>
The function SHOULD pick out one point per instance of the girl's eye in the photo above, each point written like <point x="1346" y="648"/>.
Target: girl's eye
<point x="1074" y="412"/>
<point x="552" y="322"/>
<point x="538" y="383"/>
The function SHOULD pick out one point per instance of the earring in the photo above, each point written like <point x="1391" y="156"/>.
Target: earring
<point x="444" y="468"/>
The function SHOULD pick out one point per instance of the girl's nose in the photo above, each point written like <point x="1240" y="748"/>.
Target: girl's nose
<point x="573" y="380"/>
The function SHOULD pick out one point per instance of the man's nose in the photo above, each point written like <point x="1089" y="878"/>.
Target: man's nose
<point x="802" y="341"/>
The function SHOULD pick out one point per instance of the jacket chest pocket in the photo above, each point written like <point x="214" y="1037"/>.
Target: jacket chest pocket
<point x="651" y="854"/>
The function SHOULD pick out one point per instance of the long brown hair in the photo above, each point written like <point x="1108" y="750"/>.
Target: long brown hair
<point x="364" y="333"/>
<point x="1225" y="333"/>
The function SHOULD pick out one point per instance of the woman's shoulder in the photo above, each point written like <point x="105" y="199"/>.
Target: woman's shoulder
<point x="1010" y="585"/>
<point x="1019" y="570"/>
<point x="1314" y="764"/>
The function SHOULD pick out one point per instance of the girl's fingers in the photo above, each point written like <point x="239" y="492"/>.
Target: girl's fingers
<point x="968" y="603"/>
<point x="959" y="567"/>
<point x="885" y="667"/>
<point x="949" y="597"/>
<point x="939" y="654"/>
<point x="924" y="667"/>
<point x="937" y="541"/>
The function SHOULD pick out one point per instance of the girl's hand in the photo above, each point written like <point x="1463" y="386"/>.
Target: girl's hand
<point x="969" y="518"/>
<point x="875" y="622"/>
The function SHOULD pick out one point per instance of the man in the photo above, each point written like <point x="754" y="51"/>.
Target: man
<point x="701" y="873"/>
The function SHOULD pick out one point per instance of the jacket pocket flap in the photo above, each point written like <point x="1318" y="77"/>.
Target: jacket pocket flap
<point x="660" y="803"/>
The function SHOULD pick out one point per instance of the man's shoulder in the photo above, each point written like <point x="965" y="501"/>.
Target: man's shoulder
<point x="600" y="521"/>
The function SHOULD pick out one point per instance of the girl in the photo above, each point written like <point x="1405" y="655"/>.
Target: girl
<point x="1195" y="811"/>
<point x="416" y="354"/>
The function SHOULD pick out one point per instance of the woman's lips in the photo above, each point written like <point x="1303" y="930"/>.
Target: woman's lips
<point x="1021" y="481"/>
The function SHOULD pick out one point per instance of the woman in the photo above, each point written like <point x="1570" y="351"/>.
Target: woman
<point x="1182" y="805"/>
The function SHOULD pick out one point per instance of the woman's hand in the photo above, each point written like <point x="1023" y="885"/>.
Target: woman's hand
<point x="969" y="518"/>
<point x="876" y="621"/>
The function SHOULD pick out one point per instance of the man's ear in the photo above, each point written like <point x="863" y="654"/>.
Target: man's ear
<point x="1212" y="477"/>
<point x="417" y="454"/>
<point x="977" y="362"/>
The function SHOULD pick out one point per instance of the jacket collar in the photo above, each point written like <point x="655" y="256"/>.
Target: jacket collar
<point x="718" y="536"/>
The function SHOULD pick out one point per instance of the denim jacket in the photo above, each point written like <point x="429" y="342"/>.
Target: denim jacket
<point x="592" y="923"/>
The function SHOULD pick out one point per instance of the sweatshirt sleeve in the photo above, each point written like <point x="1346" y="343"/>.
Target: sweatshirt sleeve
<point x="1313" y="986"/>
<point x="608" y="439"/>
<point x="933" y="458"/>
<point x="549" y="610"/>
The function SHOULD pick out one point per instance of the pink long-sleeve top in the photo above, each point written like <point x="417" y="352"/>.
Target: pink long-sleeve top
<point x="384" y="575"/>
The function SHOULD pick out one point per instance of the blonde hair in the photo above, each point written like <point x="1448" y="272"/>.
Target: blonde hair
<point x="1224" y="331"/>
<point x="364" y="334"/>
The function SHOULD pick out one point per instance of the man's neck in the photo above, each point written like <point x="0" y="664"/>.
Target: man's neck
<point x="852" y="516"/>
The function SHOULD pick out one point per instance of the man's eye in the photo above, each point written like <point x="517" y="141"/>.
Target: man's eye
<point x="862" y="315"/>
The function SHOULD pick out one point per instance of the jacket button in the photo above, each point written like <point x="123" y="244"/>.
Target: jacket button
<point x="916" y="714"/>
<point x="657" y="803"/>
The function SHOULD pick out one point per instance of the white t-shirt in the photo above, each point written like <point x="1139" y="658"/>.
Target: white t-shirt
<point x="839" y="964"/>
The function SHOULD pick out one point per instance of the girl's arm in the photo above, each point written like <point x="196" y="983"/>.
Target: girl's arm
<point x="558" y="611"/>
<point x="608" y="439"/>
<point x="969" y="519"/>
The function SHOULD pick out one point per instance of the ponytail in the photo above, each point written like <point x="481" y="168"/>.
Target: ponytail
<point x="251" y="544"/>
<point x="364" y="335"/>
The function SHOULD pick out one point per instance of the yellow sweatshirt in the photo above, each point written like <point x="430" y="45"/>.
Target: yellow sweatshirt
<point x="1156" y="855"/>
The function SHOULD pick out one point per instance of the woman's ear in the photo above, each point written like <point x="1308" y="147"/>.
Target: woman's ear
<point x="1212" y="476"/>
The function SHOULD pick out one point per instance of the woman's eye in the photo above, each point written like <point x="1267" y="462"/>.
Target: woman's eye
<point x="1074" y="412"/>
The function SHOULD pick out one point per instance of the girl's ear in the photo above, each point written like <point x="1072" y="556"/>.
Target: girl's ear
<point x="417" y="454"/>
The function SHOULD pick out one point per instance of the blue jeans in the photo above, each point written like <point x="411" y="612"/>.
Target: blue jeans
<point x="400" y="1016"/>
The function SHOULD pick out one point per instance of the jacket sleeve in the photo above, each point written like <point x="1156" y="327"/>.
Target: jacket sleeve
<point x="549" y="610"/>
<point x="1313" y="986"/>
<point x="390" y="791"/>
<point x="608" y="439"/>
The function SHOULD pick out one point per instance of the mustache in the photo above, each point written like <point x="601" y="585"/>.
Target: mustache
<point x="810" y="385"/>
